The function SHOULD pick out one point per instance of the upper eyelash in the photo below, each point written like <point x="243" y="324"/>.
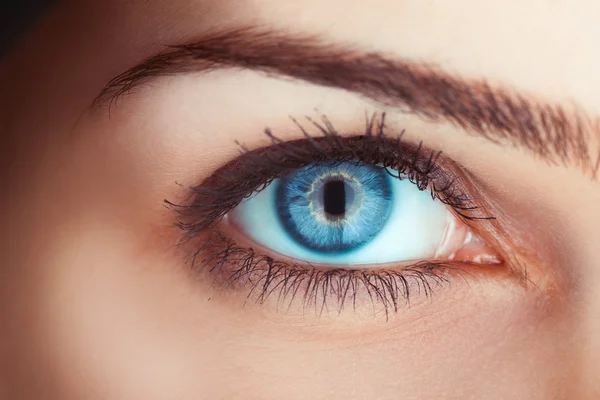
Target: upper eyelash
<point x="229" y="263"/>
<point x="221" y="193"/>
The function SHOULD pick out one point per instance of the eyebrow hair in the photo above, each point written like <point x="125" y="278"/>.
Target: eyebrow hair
<point x="498" y="114"/>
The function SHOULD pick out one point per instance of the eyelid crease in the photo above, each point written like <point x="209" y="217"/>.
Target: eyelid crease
<point x="500" y="115"/>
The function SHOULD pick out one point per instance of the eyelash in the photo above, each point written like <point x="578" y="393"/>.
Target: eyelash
<point x="237" y="267"/>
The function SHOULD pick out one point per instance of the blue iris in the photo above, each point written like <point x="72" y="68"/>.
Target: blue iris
<point x="343" y="213"/>
<point x="335" y="206"/>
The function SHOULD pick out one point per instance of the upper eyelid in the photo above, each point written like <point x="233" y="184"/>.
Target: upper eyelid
<point x="420" y="161"/>
<point x="499" y="115"/>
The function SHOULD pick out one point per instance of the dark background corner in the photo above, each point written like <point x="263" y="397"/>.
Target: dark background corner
<point x="16" y="16"/>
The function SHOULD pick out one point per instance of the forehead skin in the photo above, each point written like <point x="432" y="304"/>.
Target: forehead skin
<point x="546" y="48"/>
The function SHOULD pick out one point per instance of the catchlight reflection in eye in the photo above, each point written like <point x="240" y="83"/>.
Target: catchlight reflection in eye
<point x="350" y="213"/>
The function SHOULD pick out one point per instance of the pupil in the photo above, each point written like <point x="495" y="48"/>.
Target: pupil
<point x="334" y="197"/>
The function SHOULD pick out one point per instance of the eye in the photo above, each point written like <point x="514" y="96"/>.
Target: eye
<point x="345" y="213"/>
<point x="337" y="219"/>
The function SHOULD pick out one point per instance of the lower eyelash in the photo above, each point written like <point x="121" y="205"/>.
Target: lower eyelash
<point x="323" y="290"/>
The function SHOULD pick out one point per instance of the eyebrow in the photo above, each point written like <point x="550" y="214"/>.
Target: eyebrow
<point x="499" y="114"/>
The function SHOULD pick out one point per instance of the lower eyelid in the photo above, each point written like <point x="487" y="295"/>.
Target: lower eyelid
<point x="256" y="276"/>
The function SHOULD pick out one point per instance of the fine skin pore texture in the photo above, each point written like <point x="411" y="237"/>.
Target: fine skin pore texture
<point x="113" y="110"/>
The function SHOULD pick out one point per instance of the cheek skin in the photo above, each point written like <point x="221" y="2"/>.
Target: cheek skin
<point x="113" y="326"/>
<point x="121" y="327"/>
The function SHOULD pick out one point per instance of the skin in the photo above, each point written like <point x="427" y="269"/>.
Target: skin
<point x="97" y="302"/>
